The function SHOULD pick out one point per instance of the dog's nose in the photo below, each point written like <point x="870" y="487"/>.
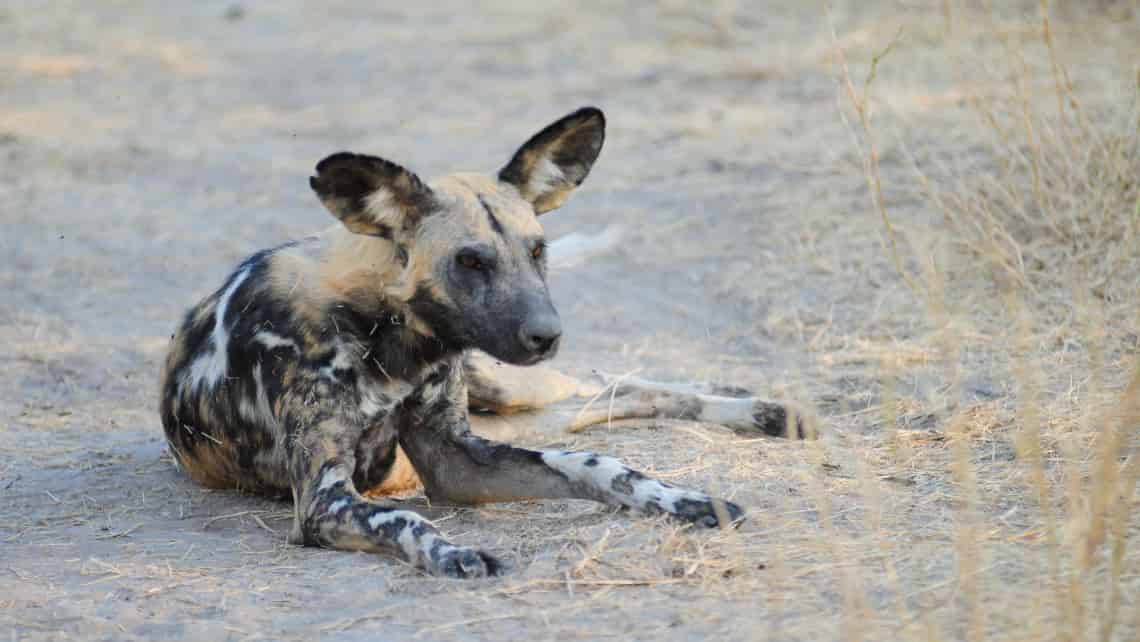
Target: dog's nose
<point x="539" y="334"/>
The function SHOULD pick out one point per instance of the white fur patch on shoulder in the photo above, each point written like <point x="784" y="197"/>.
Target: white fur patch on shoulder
<point x="210" y="367"/>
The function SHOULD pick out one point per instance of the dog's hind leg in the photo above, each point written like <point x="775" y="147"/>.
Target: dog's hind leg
<point x="748" y="417"/>
<point x="729" y="406"/>
<point x="556" y="400"/>
<point x="494" y="386"/>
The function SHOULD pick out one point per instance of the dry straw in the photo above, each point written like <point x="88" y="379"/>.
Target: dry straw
<point x="1050" y="239"/>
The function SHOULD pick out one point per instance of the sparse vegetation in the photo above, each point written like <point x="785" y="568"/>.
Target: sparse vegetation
<point x="1036" y="268"/>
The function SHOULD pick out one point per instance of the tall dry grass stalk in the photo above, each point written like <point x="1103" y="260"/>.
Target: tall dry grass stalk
<point x="1048" y="239"/>
<point x="1057" y="229"/>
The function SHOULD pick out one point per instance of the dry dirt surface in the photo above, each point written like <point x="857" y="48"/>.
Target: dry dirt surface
<point x="919" y="221"/>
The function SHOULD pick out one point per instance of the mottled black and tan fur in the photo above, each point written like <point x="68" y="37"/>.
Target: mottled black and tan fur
<point x="344" y="365"/>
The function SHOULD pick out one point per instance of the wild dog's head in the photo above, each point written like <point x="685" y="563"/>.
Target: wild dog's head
<point x="473" y="249"/>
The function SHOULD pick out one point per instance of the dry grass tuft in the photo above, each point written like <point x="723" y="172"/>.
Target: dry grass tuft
<point x="1041" y="252"/>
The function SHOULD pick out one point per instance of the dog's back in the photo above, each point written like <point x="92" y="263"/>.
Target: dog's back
<point x="281" y="324"/>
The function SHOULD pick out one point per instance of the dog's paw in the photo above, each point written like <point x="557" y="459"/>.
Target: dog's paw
<point x="708" y="512"/>
<point x="780" y="421"/>
<point x="461" y="562"/>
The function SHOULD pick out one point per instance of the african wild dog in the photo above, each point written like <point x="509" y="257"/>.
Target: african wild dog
<point x="344" y="364"/>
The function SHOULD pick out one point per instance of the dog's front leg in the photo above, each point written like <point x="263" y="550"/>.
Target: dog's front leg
<point x="458" y="466"/>
<point x="329" y="512"/>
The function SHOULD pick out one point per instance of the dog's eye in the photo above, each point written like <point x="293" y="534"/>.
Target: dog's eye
<point x="538" y="251"/>
<point x="471" y="262"/>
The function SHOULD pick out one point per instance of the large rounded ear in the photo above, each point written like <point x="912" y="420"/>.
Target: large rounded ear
<point x="371" y="195"/>
<point x="557" y="159"/>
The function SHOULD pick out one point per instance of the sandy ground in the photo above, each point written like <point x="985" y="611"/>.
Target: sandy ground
<point x="147" y="147"/>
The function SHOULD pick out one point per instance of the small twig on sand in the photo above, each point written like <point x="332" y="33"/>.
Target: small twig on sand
<point x="122" y="533"/>
<point x="861" y="105"/>
<point x="260" y="522"/>
<point x="219" y="518"/>
<point x="478" y="620"/>
<point x="610" y="386"/>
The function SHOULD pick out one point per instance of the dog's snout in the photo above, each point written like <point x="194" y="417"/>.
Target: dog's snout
<point x="539" y="334"/>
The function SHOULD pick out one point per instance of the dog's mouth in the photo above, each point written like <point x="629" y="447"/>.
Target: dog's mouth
<point x="520" y="356"/>
<point x="525" y="360"/>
